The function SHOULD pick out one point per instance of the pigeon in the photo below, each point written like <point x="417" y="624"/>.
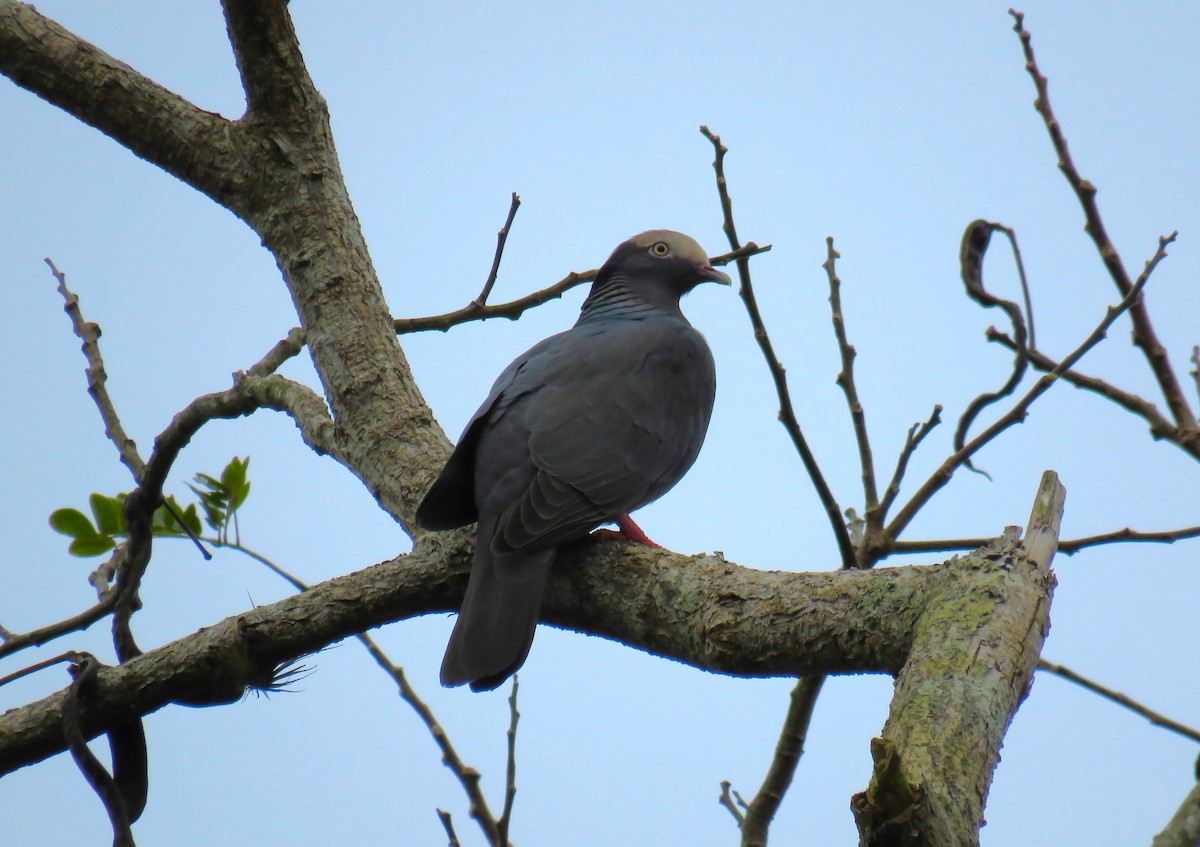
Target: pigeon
<point x="579" y="431"/>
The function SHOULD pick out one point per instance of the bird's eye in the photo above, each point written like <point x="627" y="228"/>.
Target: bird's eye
<point x="660" y="249"/>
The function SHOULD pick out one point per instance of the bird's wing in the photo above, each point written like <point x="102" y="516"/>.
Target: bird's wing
<point x="614" y="416"/>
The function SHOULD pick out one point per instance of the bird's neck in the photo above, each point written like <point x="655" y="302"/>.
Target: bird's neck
<point x="624" y="297"/>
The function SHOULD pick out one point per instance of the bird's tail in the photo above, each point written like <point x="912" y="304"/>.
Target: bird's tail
<point x="499" y="614"/>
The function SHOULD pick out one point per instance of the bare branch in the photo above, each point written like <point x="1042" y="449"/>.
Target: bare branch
<point x="615" y="591"/>
<point x="787" y="414"/>
<point x="916" y="434"/>
<point x="15" y="642"/>
<point x="1120" y="699"/>
<point x="89" y="334"/>
<point x="448" y="825"/>
<point x="158" y="125"/>
<point x="268" y="58"/>
<point x="467" y="776"/>
<point x="285" y="349"/>
<point x="501" y="237"/>
<point x="1196" y="373"/>
<point x="513" y="309"/>
<point x="1013" y="416"/>
<point x="788" y="751"/>
<point x="1144" y="336"/>
<point x="510" y="777"/>
<point x="727" y="800"/>
<point x="966" y="667"/>
<point x="1160" y="427"/>
<point x="1129" y="535"/>
<point x="845" y="379"/>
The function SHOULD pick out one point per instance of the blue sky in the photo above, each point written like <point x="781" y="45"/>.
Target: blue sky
<point x="887" y="126"/>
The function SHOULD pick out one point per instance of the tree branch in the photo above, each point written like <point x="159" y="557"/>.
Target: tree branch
<point x="513" y="309"/>
<point x="1144" y="336"/>
<point x="787" y="414"/>
<point x="1120" y="699"/>
<point x="158" y="125"/>
<point x="845" y="379"/>
<point x="788" y="751"/>
<point x="501" y="237"/>
<point x="966" y="673"/>
<point x="735" y="620"/>
<point x="1013" y="416"/>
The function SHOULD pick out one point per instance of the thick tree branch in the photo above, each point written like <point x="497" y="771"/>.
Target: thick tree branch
<point x="702" y="610"/>
<point x="269" y="60"/>
<point x="158" y="125"/>
<point x="967" y="672"/>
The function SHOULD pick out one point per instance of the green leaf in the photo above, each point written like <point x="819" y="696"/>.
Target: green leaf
<point x="92" y="545"/>
<point x="238" y="496"/>
<point x="211" y="483"/>
<point x="110" y="514"/>
<point x="234" y="475"/>
<point x="192" y="519"/>
<point x="72" y="522"/>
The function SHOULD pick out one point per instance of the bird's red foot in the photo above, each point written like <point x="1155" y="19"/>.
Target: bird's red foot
<point x="627" y="530"/>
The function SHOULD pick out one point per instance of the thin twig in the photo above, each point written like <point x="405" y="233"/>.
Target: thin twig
<point x="15" y="642"/>
<point x="515" y="308"/>
<point x="1196" y="373"/>
<point x="448" y="825"/>
<point x="727" y="800"/>
<point x="1013" y="416"/>
<point x="845" y="379"/>
<point x="1128" y="535"/>
<point x="788" y="751"/>
<point x="1120" y="699"/>
<point x="510" y="776"/>
<point x="284" y="349"/>
<point x="1160" y="427"/>
<point x="787" y="414"/>
<point x="916" y="434"/>
<point x="467" y="776"/>
<point x="501" y="237"/>
<point x="1144" y="336"/>
<point x="89" y="334"/>
<point x="1068" y="547"/>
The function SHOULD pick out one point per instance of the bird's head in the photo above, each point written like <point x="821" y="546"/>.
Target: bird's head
<point x="658" y="267"/>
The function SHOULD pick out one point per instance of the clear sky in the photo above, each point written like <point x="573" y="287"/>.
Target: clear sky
<point x="888" y="126"/>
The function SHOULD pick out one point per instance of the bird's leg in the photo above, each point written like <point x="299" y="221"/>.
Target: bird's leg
<point x="627" y="530"/>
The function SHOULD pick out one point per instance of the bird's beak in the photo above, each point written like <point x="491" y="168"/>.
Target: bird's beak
<point x="710" y="274"/>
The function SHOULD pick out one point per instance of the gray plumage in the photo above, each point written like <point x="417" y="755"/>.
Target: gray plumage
<point x="580" y="430"/>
